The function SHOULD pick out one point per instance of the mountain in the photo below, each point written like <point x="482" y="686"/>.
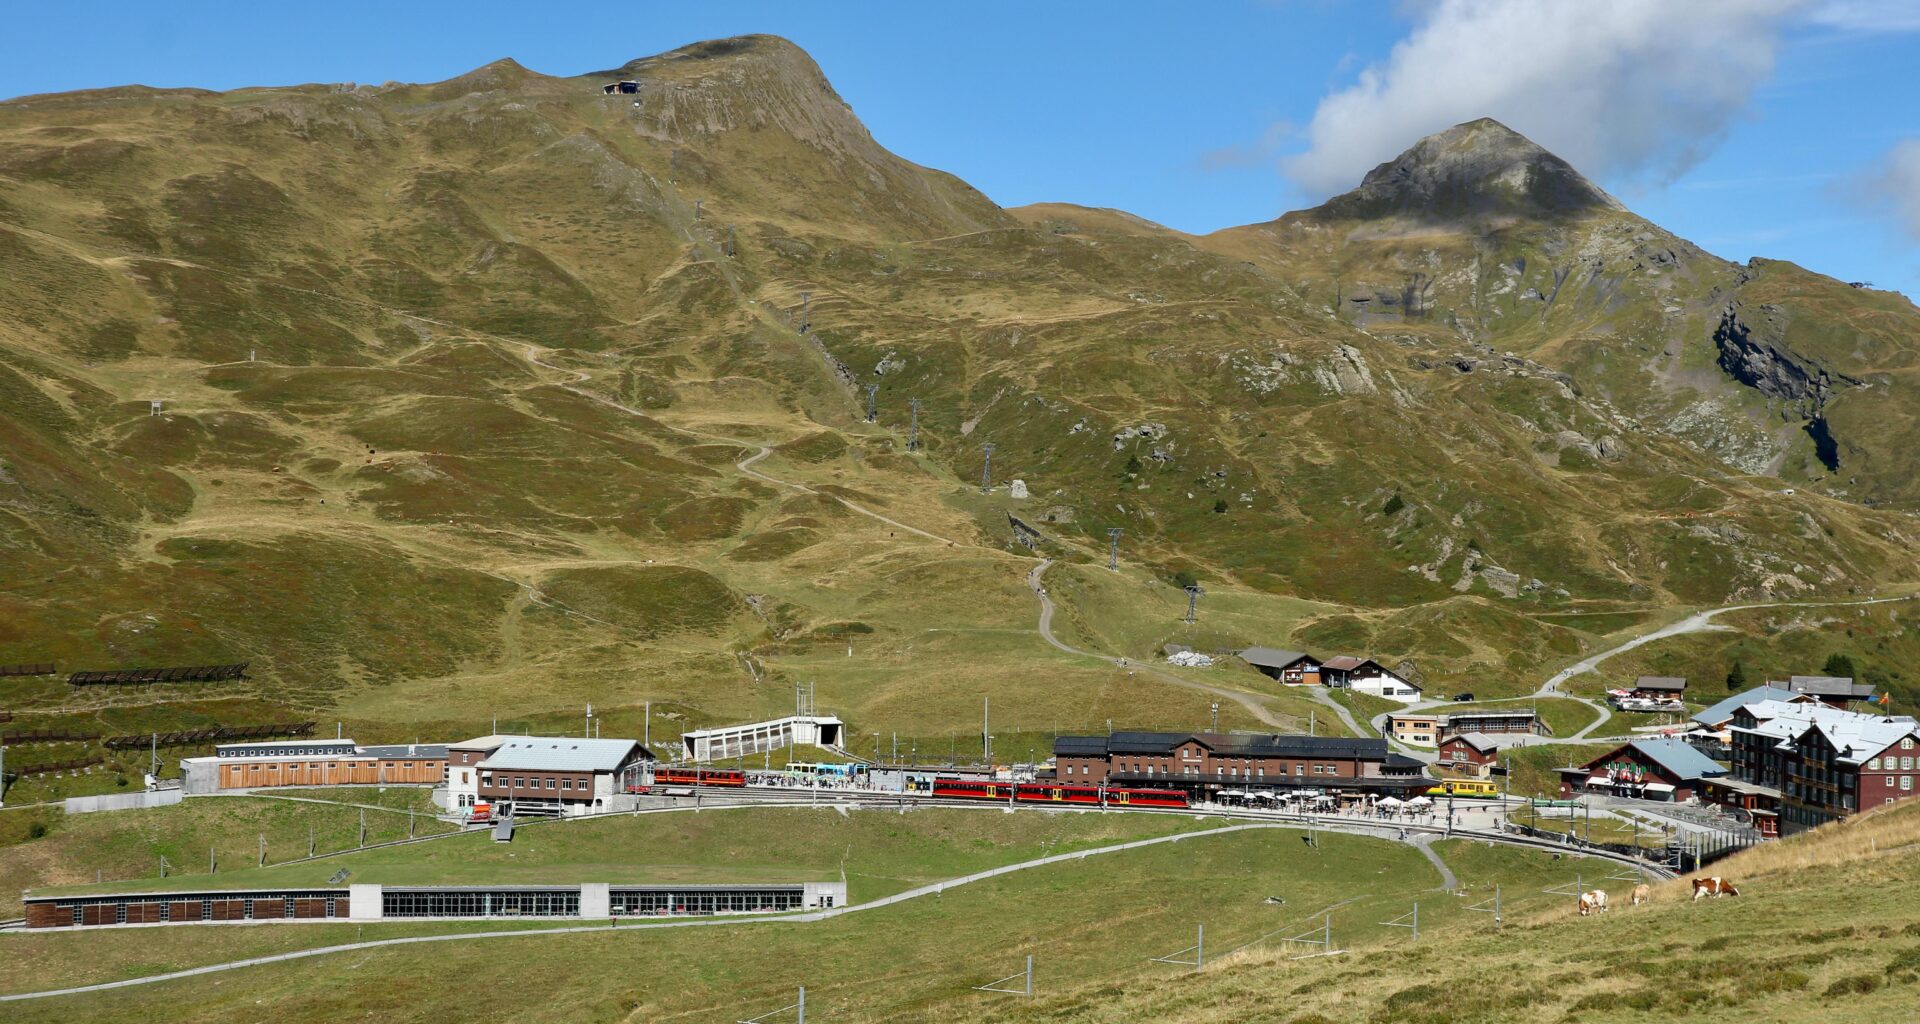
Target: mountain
<point x="458" y="380"/>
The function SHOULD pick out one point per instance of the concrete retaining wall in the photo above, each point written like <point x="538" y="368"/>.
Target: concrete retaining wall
<point x="123" y="801"/>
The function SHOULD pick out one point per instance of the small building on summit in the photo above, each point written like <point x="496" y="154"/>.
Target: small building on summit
<point x="1834" y="691"/>
<point x="615" y="88"/>
<point x="1295" y="668"/>
<point x="1365" y="675"/>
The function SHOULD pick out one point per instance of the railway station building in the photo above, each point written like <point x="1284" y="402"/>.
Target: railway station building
<point x="1205" y="762"/>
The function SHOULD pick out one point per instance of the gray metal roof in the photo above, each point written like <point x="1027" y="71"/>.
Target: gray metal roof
<point x="1667" y="683"/>
<point x="1080" y="746"/>
<point x="1830" y="686"/>
<point x="1722" y="712"/>
<point x="1273" y="657"/>
<point x="1477" y="740"/>
<point x="1679" y="758"/>
<point x="391" y="751"/>
<point x="560" y="754"/>
<point x="1229" y="744"/>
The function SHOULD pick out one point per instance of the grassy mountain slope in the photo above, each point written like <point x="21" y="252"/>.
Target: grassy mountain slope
<point x="457" y="375"/>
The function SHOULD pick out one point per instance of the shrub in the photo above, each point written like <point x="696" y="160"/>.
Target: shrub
<point x="37" y="830"/>
<point x="1854" y="985"/>
<point x="1394" y="504"/>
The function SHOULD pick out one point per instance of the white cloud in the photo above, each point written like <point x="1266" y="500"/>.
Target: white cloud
<point x="1625" y="89"/>
<point x="1895" y="181"/>
<point x="1868" y="15"/>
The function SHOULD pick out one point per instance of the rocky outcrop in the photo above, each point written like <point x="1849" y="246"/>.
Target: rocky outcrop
<point x="1763" y="362"/>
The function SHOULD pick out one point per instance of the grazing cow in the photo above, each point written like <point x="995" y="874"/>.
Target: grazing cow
<point x="1594" y="902"/>
<point x="1642" y="893"/>
<point x="1715" y="887"/>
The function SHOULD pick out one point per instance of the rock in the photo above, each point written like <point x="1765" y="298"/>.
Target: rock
<point x="1017" y="489"/>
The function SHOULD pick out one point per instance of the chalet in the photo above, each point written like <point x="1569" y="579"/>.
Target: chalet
<point x="1206" y="762"/>
<point x="1473" y="752"/>
<point x="1494" y="722"/>
<point x="1837" y="691"/>
<point x="615" y="88"/>
<point x="1295" y="668"/>
<point x="1364" y="675"/>
<point x="1659" y="687"/>
<point x="1662" y="769"/>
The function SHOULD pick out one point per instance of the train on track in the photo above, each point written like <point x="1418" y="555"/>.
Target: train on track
<point x="1473" y="788"/>
<point x="722" y="777"/>
<point x="1057" y="793"/>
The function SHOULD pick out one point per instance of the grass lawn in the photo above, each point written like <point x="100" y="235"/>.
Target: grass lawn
<point x="1564" y="717"/>
<point x="120" y="845"/>
<point x="877" y="852"/>
<point x="1087" y="923"/>
<point x="1532" y="768"/>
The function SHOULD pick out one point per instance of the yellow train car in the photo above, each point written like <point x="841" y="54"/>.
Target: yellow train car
<point x="1477" y="789"/>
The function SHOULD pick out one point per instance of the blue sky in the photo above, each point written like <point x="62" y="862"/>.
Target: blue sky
<point x="1753" y="127"/>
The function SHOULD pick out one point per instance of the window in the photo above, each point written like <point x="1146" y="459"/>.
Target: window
<point x="1889" y="779"/>
<point x="286" y="909"/>
<point x="550" y="783"/>
<point x="1906" y="783"/>
<point x="1873" y="765"/>
<point x="332" y="906"/>
<point x="206" y="910"/>
<point x="568" y="783"/>
<point x="1906" y="764"/>
<point x="1907" y="743"/>
<point x="119" y="913"/>
<point x="79" y="916"/>
<point x="247" y="910"/>
<point x="166" y="911"/>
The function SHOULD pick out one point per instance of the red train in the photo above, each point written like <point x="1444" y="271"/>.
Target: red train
<point x="694" y="777"/>
<point x="1055" y="792"/>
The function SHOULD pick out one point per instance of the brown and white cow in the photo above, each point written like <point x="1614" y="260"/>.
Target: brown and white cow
<point x="1642" y="893"/>
<point x="1594" y="902"/>
<point x="1715" y="887"/>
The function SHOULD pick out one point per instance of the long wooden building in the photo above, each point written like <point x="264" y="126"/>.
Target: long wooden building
<point x="1204" y="762"/>
<point x="270" y="764"/>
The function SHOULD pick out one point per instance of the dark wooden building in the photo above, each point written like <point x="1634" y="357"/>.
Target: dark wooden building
<point x="1202" y="762"/>
<point x="1294" y="667"/>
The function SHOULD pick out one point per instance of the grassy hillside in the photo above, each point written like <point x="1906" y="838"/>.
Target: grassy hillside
<point x="1092" y="922"/>
<point x="458" y="380"/>
<point x="1822" y="930"/>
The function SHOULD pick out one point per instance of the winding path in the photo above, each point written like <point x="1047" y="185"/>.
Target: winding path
<point x="1251" y="703"/>
<point x="1699" y="622"/>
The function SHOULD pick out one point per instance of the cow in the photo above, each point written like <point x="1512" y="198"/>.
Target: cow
<point x="1642" y="893"/>
<point x="1594" y="902"/>
<point x="1715" y="887"/>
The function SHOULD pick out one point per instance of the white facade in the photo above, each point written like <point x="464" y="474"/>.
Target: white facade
<point x="1386" y="685"/>
<point x="740" y="740"/>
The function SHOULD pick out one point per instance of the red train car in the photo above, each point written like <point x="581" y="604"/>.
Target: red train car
<point x="698" y="777"/>
<point x="1055" y="792"/>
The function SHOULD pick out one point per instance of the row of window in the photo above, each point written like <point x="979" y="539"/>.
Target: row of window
<point x="524" y="782"/>
<point x="536" y="903"/>
<point x="247" y="909"/>
<point x="732" y="902"/>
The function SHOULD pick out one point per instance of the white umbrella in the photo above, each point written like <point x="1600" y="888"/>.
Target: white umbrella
<point x="1390" y="802"/>
<point x="1418" y="801"/>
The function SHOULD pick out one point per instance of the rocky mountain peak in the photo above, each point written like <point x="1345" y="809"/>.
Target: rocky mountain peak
<point x="1474" y="171"/>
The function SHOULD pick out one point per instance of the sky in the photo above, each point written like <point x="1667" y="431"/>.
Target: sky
<point x="1778" y="128"/>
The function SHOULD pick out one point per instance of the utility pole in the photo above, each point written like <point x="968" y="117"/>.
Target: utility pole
<point x="1193" y="601"/>
<point x="1216" y="715"/>
<point x="647" y="729"/>
<point x="1113" y="547"/>
<point x="913" y="428"/>
<point x="986" y="737"/>
<point x="872" y="412"/>
<point x="986" y="468"/>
